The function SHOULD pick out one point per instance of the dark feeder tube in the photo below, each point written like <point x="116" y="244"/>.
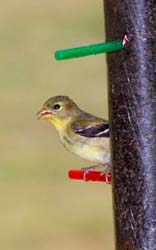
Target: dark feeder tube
<point x="132" y="109"/>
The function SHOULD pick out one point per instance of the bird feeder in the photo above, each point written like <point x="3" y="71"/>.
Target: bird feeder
<point x="132" y="117"/>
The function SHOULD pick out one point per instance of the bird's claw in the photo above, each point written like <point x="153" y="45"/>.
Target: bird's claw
<point x="86" y="171"/>
<point x="107" y="175"/>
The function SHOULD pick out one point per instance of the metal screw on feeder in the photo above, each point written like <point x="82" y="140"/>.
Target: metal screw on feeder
<point x="92" y="49"/>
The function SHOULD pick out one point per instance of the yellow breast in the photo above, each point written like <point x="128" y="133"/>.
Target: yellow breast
<point x="88" y="148"/>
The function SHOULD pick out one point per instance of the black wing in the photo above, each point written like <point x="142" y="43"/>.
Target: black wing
<point x="100" y="130"/>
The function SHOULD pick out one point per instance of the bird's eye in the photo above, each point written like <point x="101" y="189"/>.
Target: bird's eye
<point x="56" y="106"/>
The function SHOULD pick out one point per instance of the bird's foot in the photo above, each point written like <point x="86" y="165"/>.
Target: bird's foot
<point x="88" y="169"/>
<point x="106" y="172"/>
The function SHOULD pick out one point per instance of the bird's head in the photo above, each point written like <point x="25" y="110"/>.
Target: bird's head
<point x="58" y="110"/>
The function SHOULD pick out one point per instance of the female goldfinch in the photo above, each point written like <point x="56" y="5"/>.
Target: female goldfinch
<point x="81" y="133"/>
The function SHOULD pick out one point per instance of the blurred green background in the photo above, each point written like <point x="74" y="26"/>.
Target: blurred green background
<point x="40" y="208"/>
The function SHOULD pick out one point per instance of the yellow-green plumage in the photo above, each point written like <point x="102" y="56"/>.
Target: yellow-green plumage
<point x="81" y="133"/>
<point x="90" y="149"/>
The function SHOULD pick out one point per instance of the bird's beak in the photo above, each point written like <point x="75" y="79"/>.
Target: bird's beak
<point x="44" y="114"/>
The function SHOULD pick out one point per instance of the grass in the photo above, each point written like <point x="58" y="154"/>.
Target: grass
<point x="40" y="207"/>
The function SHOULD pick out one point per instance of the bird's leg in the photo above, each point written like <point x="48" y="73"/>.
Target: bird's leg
<point x="107" y="172"/>
<point x="92" y="168"/>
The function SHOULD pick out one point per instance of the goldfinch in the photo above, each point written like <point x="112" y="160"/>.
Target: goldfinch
<point x="83" y="134"/>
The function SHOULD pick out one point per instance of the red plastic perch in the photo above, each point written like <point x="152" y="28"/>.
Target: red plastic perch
<point x="89" y="176"/>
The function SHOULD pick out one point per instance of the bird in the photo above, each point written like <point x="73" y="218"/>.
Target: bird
<point x="81" y="133"/>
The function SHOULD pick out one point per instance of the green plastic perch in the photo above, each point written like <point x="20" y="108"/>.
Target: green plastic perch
<point x="89" y="50"/>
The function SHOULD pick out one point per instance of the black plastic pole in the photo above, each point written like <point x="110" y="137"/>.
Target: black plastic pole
<point x="132" y="109"/>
